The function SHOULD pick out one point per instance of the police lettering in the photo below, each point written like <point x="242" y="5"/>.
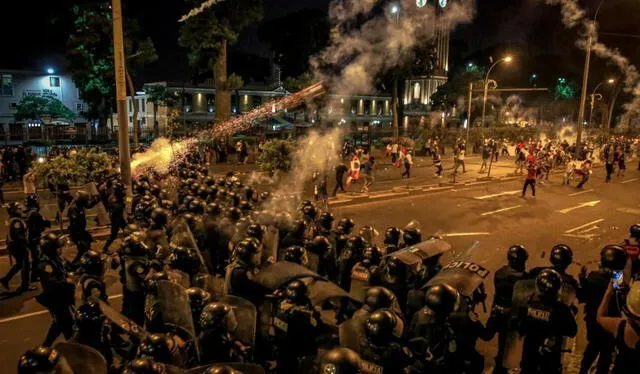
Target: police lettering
<point x="539" y="314"/>
<point x="360" y="275"/>
<point x="370" y="368"/>
<point x="281" y="324"/>
<point x="470" y="266"/>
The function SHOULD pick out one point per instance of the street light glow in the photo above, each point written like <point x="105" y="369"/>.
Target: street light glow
<point x="508" y="59"/>
<point x="470" y="64"/>
<point x="394" y="9"/>
<point x="611" y="80"/>
<point x="50" y="71"/>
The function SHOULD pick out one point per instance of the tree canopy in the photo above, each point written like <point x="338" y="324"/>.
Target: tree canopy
<point x="47" y="105"/>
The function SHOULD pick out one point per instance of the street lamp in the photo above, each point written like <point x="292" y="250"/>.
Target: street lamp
<point x="506" y="59"/>
<point x="50" y="71"/>
<point x="596" y="96"/>
<point x="395" y="10"/>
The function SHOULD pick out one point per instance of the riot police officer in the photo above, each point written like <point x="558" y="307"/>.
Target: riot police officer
<point x="186" y="261"/>
<point x="340" y="235"/>
<point x="363" y="271"/>
<point x="351" y="255"/>
<point x="78" y="222"/>
<point x="505" y="279"/>
<point x="340" y="361"/>
<point x="295" y="324"/>
<point x="561" y="257"/>
<point x="133" y="271"/>
<point x="92" y="276"/>
<point x="296" y="235"/>
<point x="544" y="322"/>
<point x="321" y="247"/>
<point x="295" y="254"/>
<point x="116" y="207"/>
<point x="600" y="344"/>
<point x="144" y="366"/>
<point x="411" y="235"/>
<point x="36" y="224"/>
<point x="43" y="360"/>
<point x="18" y="248"/>
<point x="380" y="349"/>
<point x="91" y="330"/>
<point x="57" y="289"/>
<point x="325" y="223"/>
<point x="198" y="299"/>
<point x="157" y="233"/>
<point x="376" y="298"/>
<point x="162" y="348"/>
<point x="238" y="279"/>
<point x="216" y="342"/>
<point x="392" y="274"/>
<point x="392" y="238"/>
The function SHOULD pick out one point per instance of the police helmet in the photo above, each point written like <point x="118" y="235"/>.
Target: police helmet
<point x="634" y="231"/>
<point x="51" y="243"/>
<point x="209" y="181"/>
<point x="517" y="256"/>
<point x="295" y="254"/>
<point x="32" y="202"/>
<point x="326" y="220"/>
<point x="256" y="231"/>
<point x="14" y="209"/>
<point x="340" y="360"/>
<point x="194" y="187"/>
<point x="613" y="257"/>
<point x="372" y="254"/>
<point x="184" y="259"/>
<point x="549" y="282"/>
<point x="213" y="209"/>
<point x="133" y="245"/>
<point x="159" y="217"/>
<point x="152" y="281"/>
<point x="356" y="244"/>
<point x="218" y="316"/>
<point x="377" y="298"/>
<point x="561" y="256"/>
<point x="345" y="226"/>
<point x="203" y="192"/>
<point x="245" y="206"/>
<point x="198" y="298"/>
<point x="42" y="360"/>
<point x="234" y="198"/>
<point x="234" y="214"/>
<point x="411" y="236"/>
<point x="296" y="291"/>
<point x="92" y="263"/>
<point x="82" y="198"/>
<point x="89" y="317"/>
<point x="169" y="205"/>
<point x="144" y="365"/>
<point x="246" y="249"/>
<point x="319" y="245"/>
<point x="379" y="327"/>
<point x="392" y="236"/>
<point x="442" y="299"/>
<point x="309" y="212"/>
<point x="196" y="206"/>
<point x="158" y="347"/>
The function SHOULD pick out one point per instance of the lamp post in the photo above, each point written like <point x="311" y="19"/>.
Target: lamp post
<point x="486" y="85"/>
<point x="395" y="10"/>
<point x="594" y="94"/>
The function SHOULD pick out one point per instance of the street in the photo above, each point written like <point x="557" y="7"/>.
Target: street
<point x="492" y="213"/>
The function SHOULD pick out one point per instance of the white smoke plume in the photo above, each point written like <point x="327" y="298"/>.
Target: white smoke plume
<point x="357" y="54"/>
<point x="195" y="11"/>
<point x="572" y="16"/>
<point x="160" y="155"/>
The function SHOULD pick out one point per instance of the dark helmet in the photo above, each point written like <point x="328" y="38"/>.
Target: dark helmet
<point x="379" y="327"/>
<point x="213" y="209"/>
<point x="245" y="206"/>
<point x="190" y="219"/>
<point x="249" y="193"/>
<point x="613" y="257"/>
<point x="234" y="198"/>
<point x="305" y="203"/>
<point x="89" y="317"/>
<point x="309" y="212"/>
<point x="234" y="213"/>
<point x="442" y="299"/>
<point x="372" y="254"/>
<point x="549" y="282"/>
<point x="340" y="360"/>
<point x="155" y="190"/>
<point x="82" y="198"/>
<point x="198" y="298"/>
<point x="152" y="281"/>
<point x="32" y="202"/>
<point x="217" y="315"/>
<point x="298" y="228"/>
<point x="392" y="236"/>
<point x="319" y="245"/>
<point x="184" y="259"/>
<point x="221" y="369"/>
<point x="295" y="254"/>
<point x="92" y="263"/>
<point x="17" y="228"/>
<point x="41" y="360"/>
<point x="561" y="256"/>
<point x="256" y="231"/>
<point x="326" y="220"/>
<point x="265" y="195"/>
<point x="197" y="206"/>
<point x="246" y="249"/>
<point x="517" y="256"/>
<point x="187" y="200"/>
<point x="159" y="347"/>
<point x="51" y="243"/>
<point x="144" y="365"/>
<point x="634" y="231"/>
<point x="209" y="181"/>
<point x="194" y="187"/>
<point x="377" y="298"/>
<point x="159" y="217"/>
<point x="14" y="209"/>
<point x="356" y="244"/>
<point x="411" y="236"/>
<point x="296" y="291"/>
<point x="345" y="226"/>
<point x="203" y="192"/>
<point x="133" y="245"/>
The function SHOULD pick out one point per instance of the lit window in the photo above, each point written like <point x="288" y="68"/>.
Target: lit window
<point x="79" y="106"/>
<point x="54" y="81"/>
<point x="416" y="90"/>
<point x="6" y="85"/>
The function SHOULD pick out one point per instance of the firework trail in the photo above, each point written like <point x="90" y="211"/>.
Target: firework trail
<point x="195" y="11"/>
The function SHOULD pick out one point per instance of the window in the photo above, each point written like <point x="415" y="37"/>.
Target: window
<point x="130" y="119"/>
<point x="13" y="105"/>
<point x="143" y="103"/>
<point x="416" y="91"/>
<point x="6" y="85"/>
<point x="79" y="106"/>
<point x="130" y="106"/>
<point x="54" y="81"/>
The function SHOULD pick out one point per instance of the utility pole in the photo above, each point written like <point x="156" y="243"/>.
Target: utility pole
<point x="583" y="96"/>
<point x="466" y="142"/>
<point x="121" y="94"/>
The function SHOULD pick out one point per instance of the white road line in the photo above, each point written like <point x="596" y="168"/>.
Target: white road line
<point x="583" y="226"/>
<point x="453" y="234"/>
<point x="570" y="209"/>
<point x="500" y="210"/>
<point x="505" y="193"/>
<point x="629" y="210"/>
<point x="630" y="180"/>
<point x="40" y="312"/>
<point x="388" y="194"/>
<point x="581" y="192"/>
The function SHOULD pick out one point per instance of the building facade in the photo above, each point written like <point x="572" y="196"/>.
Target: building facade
<point x="15" y="84"/>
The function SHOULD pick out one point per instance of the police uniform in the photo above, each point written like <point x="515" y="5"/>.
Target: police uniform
<point x="133" y="272"/>
<point x="238" y="282"/>
<point x="78" y="229"/>
<point x="294" y="327"/>
<point x="116" y="208"/>
<point x="36" y="224"/>
<point x="57" y="296"/>
<point x="93" y="287"/>
<point x="17" y="246"/>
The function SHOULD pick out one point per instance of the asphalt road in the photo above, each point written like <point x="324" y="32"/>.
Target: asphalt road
<point x="492" y="214"/>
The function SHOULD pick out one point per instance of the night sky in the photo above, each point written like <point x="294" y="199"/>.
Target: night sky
<point x="528" y="28"/>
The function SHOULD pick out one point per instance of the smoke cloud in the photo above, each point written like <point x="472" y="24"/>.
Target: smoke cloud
<point x="380" y="41"/>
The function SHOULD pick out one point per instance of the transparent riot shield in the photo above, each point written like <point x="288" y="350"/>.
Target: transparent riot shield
<point x="240" y="367"/>
<point x="182" y="236"/>
<point x="321" y="290"/>
<point x="82" y="358"/>
<point x="313" y="261"/>
<point x="172" y="303"/>
<point x="124" y="323"/>
<point x="522" y="293"/>
<point x="246" y="315"/>
<point x="351" y="333"/>
<point x="360" y="281"/>
<point x="277" y="274"/>
<point x="415" y="255"/>
<point x="212" y="284"/>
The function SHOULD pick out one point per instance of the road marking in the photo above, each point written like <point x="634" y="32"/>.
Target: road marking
<point x="588" y="203"/>
<point x="388" y="194"/>
<point x="500" y="210"/>
<point x="586" y="236"/>
<point x="453" y="234"/>
<point x="40" y="312"/>
<point x="514" y="192"/>
<point x="583" y="226"/>
<point x="629" y="210"/>
<point x="581" y="192"/>
<point x="630" y="180"/>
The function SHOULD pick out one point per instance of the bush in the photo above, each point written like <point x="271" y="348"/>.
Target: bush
<point x="276" y="155"/>
<point x="86" y="165"/>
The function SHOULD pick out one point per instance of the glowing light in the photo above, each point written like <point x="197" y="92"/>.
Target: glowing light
<point x="611" y="80"/>
<point x="508" y="59"/>
<point x="40" y="160"/>
<point x="394" y="9"/>
<point x="50" y="71"/>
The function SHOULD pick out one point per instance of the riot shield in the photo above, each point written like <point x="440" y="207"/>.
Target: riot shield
<point x="322" y="290"/>
<point x="522" y="293"/>
<point x="351" y="333"/>
<point x="360" y="281"/>
<point x="270" y="244"/>
<point x="313" y="261"/>
<point x="172" y="304"/>
<point x="82" y="358"/>
<point x="415" y="255"/>
<point x="275" y="275"/>
<point x="463" y="275"/>
<point x="115" y="317"/>
<point x="213" y="285"/>
<point x="246" y="315"/>
<point x="240" y="367"/>
<point x="182" y="236"/>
